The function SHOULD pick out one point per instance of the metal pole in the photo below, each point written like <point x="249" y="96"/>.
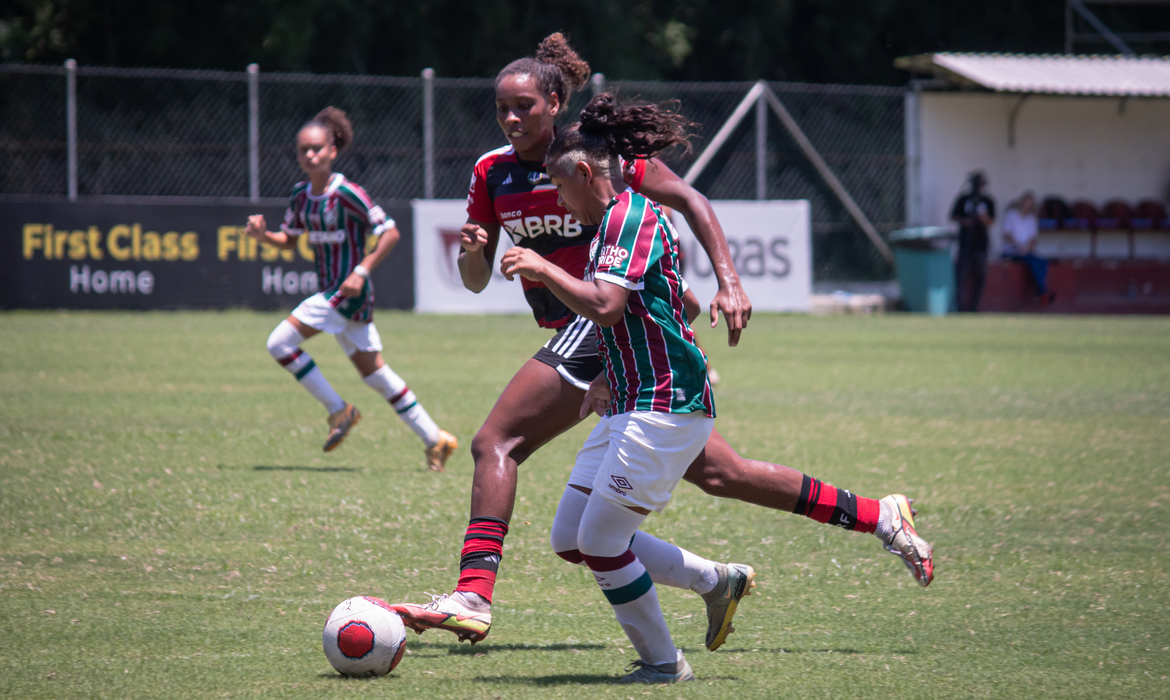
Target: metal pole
<point x="598" y="83"/>
<point x="724" y="133"/>
<point x="913" y="130"/>
<point x="761" y="149"/>
<point x="71" y="127"/>
<point x="831" y="180"/>
<point x="1068" y="27"/>
<point x="254" y="132"/>
<point x="1097" y="24"/>
<point x="428" y="77"/>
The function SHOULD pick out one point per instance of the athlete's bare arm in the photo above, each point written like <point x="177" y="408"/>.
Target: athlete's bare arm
<point x="258" y="229"/>
<point x="692" y="306"/>
<point x="352" y="286"/>
<point x="662" y="185"/>
<point x="479" y="249"/>
<point x="602" y="302"/>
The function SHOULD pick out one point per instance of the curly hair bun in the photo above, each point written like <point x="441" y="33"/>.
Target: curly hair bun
<point x="555" y="49"/>
<point x="337" y="124"/>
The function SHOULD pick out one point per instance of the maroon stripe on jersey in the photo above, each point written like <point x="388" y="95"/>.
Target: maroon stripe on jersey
<point x="640" y="256"/>
<point x="286" y="361"/>
<point x="659" y="359"/>
<point x="629" y="366"/>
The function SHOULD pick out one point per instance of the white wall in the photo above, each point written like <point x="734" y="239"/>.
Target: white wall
<point x="1074" y="147"/>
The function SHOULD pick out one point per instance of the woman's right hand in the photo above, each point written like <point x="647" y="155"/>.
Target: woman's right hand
<point x="257" y="227"/>
<point x="474" y="237"/>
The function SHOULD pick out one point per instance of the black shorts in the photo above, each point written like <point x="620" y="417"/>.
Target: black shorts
<point x="572" y="352"/>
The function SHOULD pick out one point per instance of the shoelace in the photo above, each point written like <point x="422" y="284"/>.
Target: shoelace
<point x="635" y="665"/>
<point x="435" y="600"/>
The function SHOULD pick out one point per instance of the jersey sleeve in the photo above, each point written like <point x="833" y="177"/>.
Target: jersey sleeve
<point x="358" y="204"/>
<point x="630" y="243"/>
<point x="479" y="202"/>
<point x="292" y="224"/>
<point x="634" y="173"/>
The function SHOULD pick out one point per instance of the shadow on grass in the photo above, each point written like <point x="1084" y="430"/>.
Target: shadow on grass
<point x="273" y="468"/>
<point x="571" y="679"/>
<point x="782" y="650"/>
<point x="481" y="648"/>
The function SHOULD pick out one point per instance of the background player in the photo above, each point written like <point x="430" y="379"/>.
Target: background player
<point x="511" y="192"/>
<point x="337" y="215"/>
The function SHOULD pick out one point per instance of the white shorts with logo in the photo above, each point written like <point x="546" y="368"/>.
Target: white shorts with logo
<point x="316" y="312"/>
<point x="636" y="459"/>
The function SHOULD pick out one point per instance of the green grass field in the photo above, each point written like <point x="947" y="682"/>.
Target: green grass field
<point x="170" y="528"/>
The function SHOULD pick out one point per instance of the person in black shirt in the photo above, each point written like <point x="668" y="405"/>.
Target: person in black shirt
<point x="974" y="212"/>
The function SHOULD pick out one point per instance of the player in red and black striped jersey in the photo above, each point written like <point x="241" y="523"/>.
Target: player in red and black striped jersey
<point x="543" y="400"/>
<point x="337" y="215"/>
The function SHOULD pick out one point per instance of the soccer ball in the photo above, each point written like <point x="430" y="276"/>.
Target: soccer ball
<point x="364" y="637"/>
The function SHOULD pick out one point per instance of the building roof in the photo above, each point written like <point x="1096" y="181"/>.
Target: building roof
<point x="1050" y="74"/>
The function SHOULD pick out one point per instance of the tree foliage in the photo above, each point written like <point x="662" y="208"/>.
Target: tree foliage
<point x="851" y="41"/>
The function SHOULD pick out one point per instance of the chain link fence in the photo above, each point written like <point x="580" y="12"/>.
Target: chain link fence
<point x="177" y="133"/>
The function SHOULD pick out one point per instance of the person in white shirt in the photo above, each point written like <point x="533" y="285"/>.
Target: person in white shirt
<point x="1020" y="229"/>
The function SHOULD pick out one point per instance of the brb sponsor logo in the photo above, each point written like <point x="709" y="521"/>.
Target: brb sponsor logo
<point x="520" y="227"/>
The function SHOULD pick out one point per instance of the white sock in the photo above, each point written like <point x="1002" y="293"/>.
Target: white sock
<point x="674" y="566"/>
<point x="392" y="388"/>
<point x="603" y="539"/>
<point x="885" y="525"/>
<point x="283" y="346"/>
<point x="668" y="564"/>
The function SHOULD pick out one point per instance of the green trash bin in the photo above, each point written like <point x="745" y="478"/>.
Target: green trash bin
<point x="922" y="258"/>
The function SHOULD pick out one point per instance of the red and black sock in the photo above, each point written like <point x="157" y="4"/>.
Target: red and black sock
<point x="827" y="504"/>
<point x="483" y="546"/>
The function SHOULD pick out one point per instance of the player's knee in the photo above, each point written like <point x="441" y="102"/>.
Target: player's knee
<point x="283" y="340"/>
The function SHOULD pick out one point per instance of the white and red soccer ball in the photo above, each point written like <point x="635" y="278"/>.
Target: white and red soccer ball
<point x="364" y="637"/>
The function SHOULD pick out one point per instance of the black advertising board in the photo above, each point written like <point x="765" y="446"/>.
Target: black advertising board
<point x="161" y="256"/>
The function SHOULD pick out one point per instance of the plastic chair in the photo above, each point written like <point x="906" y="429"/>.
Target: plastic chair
<point x="1053" y="213"/>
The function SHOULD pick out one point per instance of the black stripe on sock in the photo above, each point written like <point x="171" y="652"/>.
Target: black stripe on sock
<point x="806" y="495"/>
<point x="845" y="512"/>
<point x="488" y="561"/>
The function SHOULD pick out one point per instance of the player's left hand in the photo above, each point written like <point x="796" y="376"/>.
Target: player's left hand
<point x="352" y="286"/>
<point x="733" y="301"/>
<point x="523" y="262"/>
<point x="597" y="397"/>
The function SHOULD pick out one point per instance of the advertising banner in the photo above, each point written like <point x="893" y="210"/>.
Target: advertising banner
<point x="437" y="285"/>
<point x="126" y="256"/>
<point x="771" y="246"/>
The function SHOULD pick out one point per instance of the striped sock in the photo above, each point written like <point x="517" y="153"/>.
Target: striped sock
<point x="826" y="504"/>
<point x="394" y="389"/>
<point x="628" y="588"/>
<point x="300" y="365"/>
<point x="483" y="547"/>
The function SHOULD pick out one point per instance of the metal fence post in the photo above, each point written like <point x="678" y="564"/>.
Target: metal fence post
<point x="428" y="78"/>
<point x="71" y="127"/>
<point x="598" y="83"/>
<point x="254" y="132"/>
<point x="761" y="148"/>
<point x="913" y="144"/>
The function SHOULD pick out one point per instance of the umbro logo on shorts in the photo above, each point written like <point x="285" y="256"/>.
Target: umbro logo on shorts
<point x="622" y="482"/>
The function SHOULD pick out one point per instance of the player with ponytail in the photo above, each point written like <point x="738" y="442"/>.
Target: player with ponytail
<point x="337" y="215"/>
<point x="511" y="193"/>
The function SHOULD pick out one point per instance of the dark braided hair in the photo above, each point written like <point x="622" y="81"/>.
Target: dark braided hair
<point x="556" y="67"/>
<point x="336" y="124"/>
<point x="610" y="128"/>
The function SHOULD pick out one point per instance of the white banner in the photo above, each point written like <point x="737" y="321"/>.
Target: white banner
<point x="770" y="245"/>
<point x="437" y="285"/>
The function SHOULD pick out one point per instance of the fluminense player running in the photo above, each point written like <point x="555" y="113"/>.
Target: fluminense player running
<point x="654" y="395"/>
<point x="511" y="193"/>
<point x="337" y="215"/>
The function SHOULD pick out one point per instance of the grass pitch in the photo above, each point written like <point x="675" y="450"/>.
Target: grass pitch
<point x="170" y="528"/>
